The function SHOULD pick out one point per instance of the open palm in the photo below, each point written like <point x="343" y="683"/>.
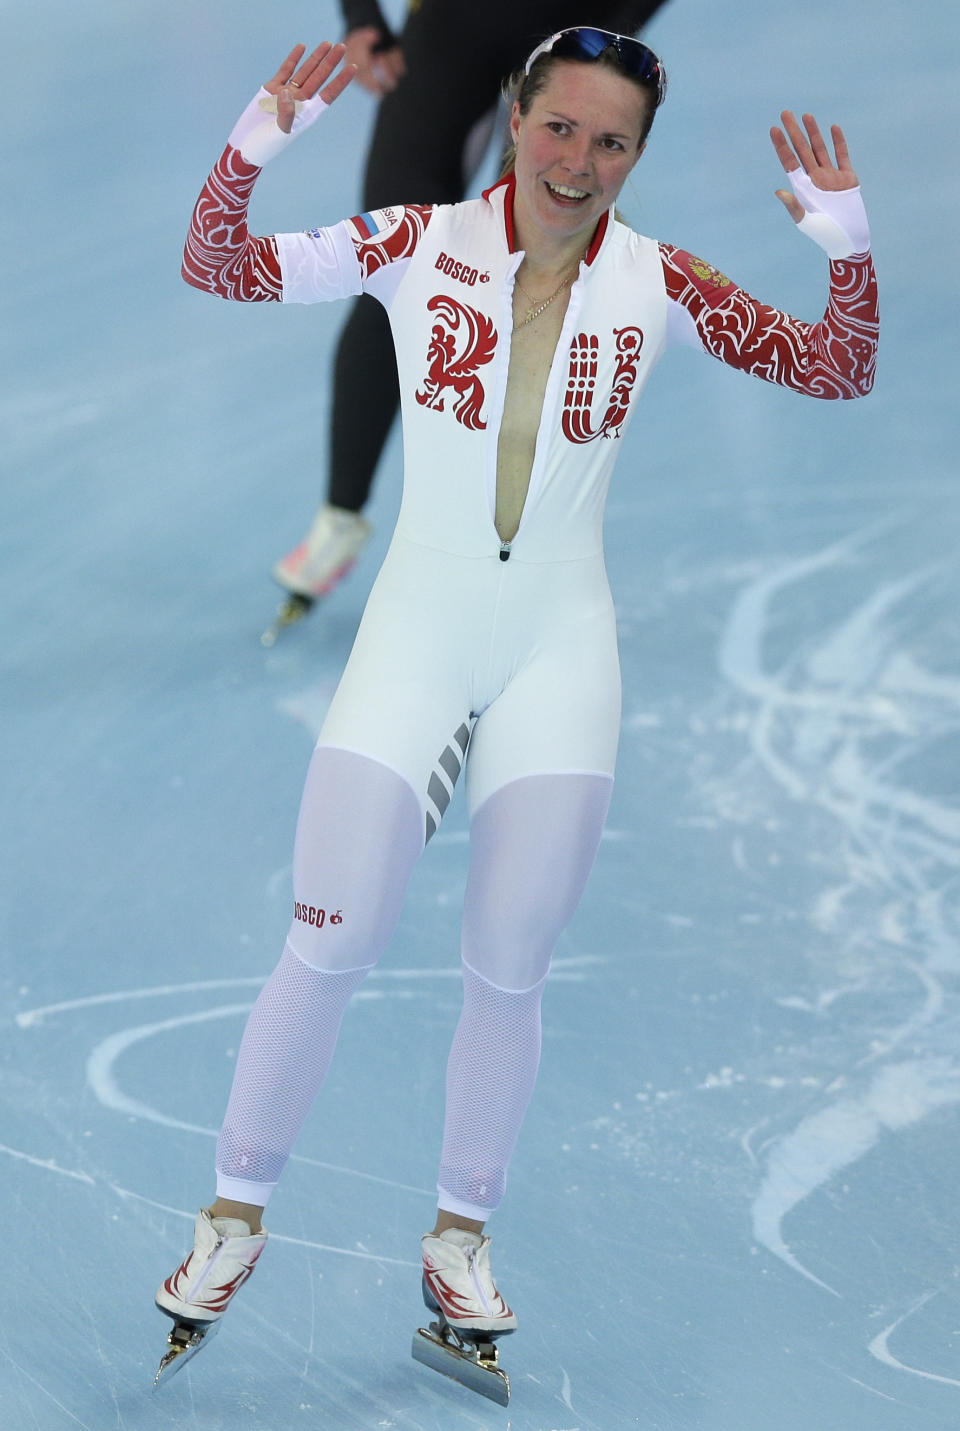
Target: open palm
<point x="300" y="78"/>
<point x="808" y="150"/>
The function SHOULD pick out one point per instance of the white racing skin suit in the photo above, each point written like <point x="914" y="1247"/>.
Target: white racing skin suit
<point x="506" y="648"/>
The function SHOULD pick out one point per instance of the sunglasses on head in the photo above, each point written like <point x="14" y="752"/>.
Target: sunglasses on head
<point x="584" y="43"/>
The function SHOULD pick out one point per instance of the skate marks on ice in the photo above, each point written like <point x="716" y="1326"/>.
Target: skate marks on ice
<point x="800" y="1162"/>
<point x="880" y="1348"/>
<point x="824" y="775"/>
<point x="851" y="726"/>
<point x="49" y="1165"/>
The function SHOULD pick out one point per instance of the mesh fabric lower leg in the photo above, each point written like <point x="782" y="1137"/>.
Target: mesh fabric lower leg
<point x="532" y="845"/>
<point x="283" y="1060"/>
<point x="490" y="1076"/>
<point x="358" y="837"/>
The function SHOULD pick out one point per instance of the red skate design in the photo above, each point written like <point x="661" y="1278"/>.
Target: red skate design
<point x="471" y="1314"/>
<point x="196" y="1296"/>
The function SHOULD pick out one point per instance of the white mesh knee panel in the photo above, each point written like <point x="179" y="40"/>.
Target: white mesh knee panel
<point x="283" y="1060"/>
<point x="490" y="1076"/>
<point x="359" y="835"/>
<point x="532" y="846"/>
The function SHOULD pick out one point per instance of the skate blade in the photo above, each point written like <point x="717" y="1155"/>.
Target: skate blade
<point x="294" y="609"/>
<point x="184" y="1342"/>
<point x="462" y="1362"/>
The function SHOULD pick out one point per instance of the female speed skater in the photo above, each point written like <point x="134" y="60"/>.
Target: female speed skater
<point x="526" y="324"/>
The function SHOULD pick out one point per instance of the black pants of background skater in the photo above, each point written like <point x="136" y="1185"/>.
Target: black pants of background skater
<point x="457" y="55"/>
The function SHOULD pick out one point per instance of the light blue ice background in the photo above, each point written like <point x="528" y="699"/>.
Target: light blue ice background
<point x="734" y="1205"/>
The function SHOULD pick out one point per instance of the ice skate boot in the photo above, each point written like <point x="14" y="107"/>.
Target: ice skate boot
<point x="196" y="1296"/>
<point x="314" y="567"/>
<point x="471" y="1314"/>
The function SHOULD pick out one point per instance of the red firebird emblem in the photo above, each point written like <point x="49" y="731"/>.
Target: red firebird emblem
<point x="461" y="341"/>
<point x="578" y="399"/>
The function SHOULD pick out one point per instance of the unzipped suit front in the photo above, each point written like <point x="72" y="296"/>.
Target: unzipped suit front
<point x="469" y="643"/>
<point x="461" y="627"/>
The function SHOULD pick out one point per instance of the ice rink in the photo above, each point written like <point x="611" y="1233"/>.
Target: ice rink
<point x="734" y="1202"/>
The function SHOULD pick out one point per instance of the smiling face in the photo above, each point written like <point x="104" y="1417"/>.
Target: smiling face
<point x="575" y="147"/>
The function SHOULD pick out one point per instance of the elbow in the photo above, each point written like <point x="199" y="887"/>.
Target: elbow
<point x="837" y="387"/>
<point x="862" y="384"/>
<point x="871" y="372"/>
<point x="848" y="391"/>
<point x="844" y="372"/>
<point x="863" y="388"/>
<point x="190" y="274"/>
<point x="205" y="280"/>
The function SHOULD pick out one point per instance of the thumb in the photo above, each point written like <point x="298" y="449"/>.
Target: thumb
<point x="286" y="109"/>
<point x="792" y="205"/>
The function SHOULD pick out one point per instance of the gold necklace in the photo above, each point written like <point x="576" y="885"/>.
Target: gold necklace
<point x="538" y="308"/>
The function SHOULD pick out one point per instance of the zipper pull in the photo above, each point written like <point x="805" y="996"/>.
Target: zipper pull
<point x="204" y="1272"/>
<point x="504" y="551"/>
<point x="475" y="1279"/>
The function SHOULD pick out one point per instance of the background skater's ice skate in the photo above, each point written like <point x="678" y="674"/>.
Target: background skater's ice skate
<point x="314" y="567"/>
<point x="471" y="1314"/>
<point x="196" y="1296"/>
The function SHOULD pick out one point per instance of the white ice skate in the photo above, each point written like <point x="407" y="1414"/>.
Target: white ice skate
<point x="471" y="1314"/>
<point x="196" y="1296"/>
<point x="315" y="566"/>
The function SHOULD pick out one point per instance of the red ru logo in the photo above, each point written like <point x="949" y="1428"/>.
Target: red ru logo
<point x="578" y="400"/>
<point x="461" y="341"/>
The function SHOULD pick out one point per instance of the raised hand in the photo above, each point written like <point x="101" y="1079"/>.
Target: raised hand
<point x="291" y="101"/>
<point x="826" y="203"/>
<point x="808" y="151"/>
<point x="301" y="79"/>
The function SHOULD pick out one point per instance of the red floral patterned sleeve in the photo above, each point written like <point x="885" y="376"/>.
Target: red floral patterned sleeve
<point x="220" y="256"/>
<point x="834" y="358"/>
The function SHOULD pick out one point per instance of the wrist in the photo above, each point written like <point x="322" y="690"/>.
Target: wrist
<point x="835" y="219"/>
<point x="258" y="136"/>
